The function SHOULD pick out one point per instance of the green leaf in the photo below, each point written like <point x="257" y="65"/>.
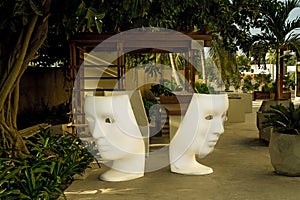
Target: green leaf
<point x="99" y="15"/>
<point x="9" y="192"/>
<point x="126" y="4"/>
<point x="24" y="20"/>
<point x="81" y="9"/>
<point x="12" y="27"/>
<point x="24" y="196"/>
<point x="3" y="24"/>
<point x="32" y="178"/>
<point x="46" y="142"/>
<point x="37" y="7"/>
<point x="99" y="26"/>
<point x="40" y="170"/>
<point x="52" y="167"/>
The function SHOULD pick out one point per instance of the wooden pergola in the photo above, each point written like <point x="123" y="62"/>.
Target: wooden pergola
<point x="82" y="44"/>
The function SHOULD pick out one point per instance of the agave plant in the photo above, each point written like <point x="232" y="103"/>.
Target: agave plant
<point x="284" y="120"/>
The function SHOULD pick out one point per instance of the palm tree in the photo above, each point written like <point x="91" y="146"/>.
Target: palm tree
<point x="224" y="60"/>
<point x="280" y="34"/>
<point x="271" y="59"/>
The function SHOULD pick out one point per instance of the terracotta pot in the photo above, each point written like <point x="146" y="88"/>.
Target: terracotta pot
<point x="285" y="153"/>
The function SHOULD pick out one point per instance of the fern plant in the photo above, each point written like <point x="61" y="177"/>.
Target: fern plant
<point x="283" y="119"/>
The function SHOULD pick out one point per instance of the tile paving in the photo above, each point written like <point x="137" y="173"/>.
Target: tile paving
<point x="242" y="170"/>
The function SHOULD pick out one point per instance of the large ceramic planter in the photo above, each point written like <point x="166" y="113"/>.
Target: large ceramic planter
<point x="285" y="153"/>
<point x="265" y="132"/>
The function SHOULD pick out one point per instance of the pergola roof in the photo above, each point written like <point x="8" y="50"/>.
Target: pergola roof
<point x="156" y="41"/>
<point x="94" y="38"/>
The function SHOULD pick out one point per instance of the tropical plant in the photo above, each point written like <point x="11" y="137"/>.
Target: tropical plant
<point x="235" y="80"/>
<point x="25" y="25"/>
<point x="269" y="87"/>
<point x="264" y="81"/>
<point x="290" y="58"/>
<point x="165" y="88"/>
<point x="223" y="59"/>
<point x="278" y="33"/>
<point x="45" y="173"/>
<point x="203" y="88"/>
<point x="271" y="56"/>
<point x="285" y="120"/>
<point x="148" y="104"/>
<point x="289" y="81"/>
<point x="247" y="84"/>
<point x="243" y="63"/>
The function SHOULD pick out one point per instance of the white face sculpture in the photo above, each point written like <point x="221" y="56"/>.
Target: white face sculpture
<point x="211" y="116"/>
<point x="113" y="126"/>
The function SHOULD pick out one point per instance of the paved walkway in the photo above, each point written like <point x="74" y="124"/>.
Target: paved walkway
<point x="242" y="171"/>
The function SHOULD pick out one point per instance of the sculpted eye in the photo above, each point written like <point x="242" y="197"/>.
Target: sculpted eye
<point x="209" y="117"/>
<point x="108" y="120"/>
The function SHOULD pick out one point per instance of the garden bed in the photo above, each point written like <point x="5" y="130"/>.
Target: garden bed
<point x="47" y="171"/>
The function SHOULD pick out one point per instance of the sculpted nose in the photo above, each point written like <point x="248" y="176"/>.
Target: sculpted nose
<point x="218" y="127"/>
<point x="97" y="131"/>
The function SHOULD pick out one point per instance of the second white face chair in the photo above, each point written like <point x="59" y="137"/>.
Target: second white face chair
<point x="198" y="133"/>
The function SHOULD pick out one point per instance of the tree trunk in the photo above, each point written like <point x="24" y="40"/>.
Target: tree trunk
<point x="10" y="139"/>
<point x="277" y="93"/>
<point x="26" y="45"/>
<point x="281" y="65"/>
<point x="279" y="73"/>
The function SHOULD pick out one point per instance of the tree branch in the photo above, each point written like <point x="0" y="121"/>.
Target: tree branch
<point x="15" y="72"/>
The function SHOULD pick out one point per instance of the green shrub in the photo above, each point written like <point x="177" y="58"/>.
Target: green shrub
<point x="203" y="88"/>
<point x="247" y="86"/>
<point x="51" y="165"/>
<point x="165" y="88"/>
<point x="283" y="119"/>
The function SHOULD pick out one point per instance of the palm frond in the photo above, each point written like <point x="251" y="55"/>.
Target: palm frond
<point x="284" y="119"/>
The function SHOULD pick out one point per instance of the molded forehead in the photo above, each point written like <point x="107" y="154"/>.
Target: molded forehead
<point x="105" y="100"/>
<point x="207" y="102"/>
<point x="106" y="103"/>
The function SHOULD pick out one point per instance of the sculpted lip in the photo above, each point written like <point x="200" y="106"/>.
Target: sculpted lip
<point x="104" y="148"/>
<point x="212" y="142"/>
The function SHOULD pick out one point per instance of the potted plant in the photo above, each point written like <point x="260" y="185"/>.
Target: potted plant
<point x="264" y="87"/>
<point x="247" y="84"/>
<point x="160" y="89"/>
<point x="202" y="88"/>
<point x="284" y="146"/>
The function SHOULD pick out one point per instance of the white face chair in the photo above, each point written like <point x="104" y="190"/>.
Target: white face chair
<point x="113" y="126"/>
<point x="198" y="133"/>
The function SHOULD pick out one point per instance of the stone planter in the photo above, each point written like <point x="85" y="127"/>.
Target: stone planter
<point x="236" y="110"/>
<point x="285" y="153"/>
<point x="247" y="101"/>
<point x="265" y="132"/>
